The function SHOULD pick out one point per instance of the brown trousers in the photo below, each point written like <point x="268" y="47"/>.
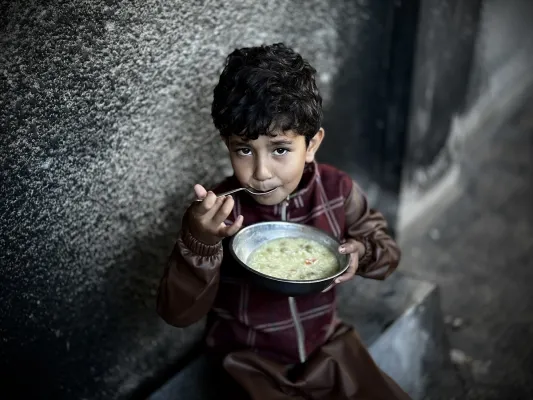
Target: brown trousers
<point x="341" y="370"/>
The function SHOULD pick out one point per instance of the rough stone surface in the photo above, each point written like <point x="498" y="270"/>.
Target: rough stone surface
<point x="104" y="128"/>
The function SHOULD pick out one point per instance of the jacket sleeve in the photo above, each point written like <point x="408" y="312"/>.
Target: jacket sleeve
<point x="368" y="226"/>
<point x="189" y="284"/>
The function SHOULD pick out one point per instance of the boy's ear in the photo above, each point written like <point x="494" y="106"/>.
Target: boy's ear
<point x="313" y="146"/>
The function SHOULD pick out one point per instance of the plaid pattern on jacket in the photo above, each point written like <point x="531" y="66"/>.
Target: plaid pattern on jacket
<point x="243" y="316"/>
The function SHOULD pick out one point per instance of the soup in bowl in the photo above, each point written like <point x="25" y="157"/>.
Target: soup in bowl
<point x="287" y="257"/>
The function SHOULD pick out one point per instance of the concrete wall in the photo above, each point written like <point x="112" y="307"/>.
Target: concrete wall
<point x="503" y="56"/>
<point x="446" y="39"/>
<point x="105" y="127"/>
<point x="473" y="68"/>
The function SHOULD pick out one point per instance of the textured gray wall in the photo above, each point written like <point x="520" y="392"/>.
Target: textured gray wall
<point x="105" y="127"/>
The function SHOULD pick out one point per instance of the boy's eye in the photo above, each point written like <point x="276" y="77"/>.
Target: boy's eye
<point x="281" y="151"/>
<point x="244" y="151"/>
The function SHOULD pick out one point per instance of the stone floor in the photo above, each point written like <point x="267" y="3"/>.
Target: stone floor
<point x="480" y="253"/>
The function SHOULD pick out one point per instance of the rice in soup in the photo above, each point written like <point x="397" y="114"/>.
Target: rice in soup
<point x="294" y="259"/>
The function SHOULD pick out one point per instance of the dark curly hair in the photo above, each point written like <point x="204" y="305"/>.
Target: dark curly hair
<point x="266" y="89"/>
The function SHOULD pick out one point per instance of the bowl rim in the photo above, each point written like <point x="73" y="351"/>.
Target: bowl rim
<point x="300" y="281"/>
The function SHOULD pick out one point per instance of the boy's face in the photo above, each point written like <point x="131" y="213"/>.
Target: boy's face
<point x="272" y="162"/>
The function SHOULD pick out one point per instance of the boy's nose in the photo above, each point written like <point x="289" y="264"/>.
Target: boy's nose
<point x="261" y="171"/>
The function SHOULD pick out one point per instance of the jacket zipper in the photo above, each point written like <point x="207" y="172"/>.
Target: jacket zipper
<point x="300" y="335"/>
<point x="284" y="209"/>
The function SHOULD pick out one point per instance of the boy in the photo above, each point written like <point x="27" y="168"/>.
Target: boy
<point x="268" y="111"/>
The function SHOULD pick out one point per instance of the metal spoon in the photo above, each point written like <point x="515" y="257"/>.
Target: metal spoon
<point x="249" y="190"/>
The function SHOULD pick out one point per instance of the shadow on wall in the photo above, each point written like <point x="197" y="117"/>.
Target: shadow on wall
<point x="130" y="300"/>
<point x="354" y="119"/>
<point x="366" y="120"/>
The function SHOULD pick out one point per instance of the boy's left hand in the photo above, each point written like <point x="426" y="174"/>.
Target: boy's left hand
<point x="356" y="250"/>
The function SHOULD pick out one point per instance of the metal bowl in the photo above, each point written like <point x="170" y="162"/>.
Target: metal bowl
<point x="248" y="239"/>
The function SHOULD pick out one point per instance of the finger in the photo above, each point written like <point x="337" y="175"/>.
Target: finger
<point x="207" y="203"/>
<point x="208" y="216"/>
<point x="223" y="212"/>
<point x="200" y="191"/>
<point x="230" y="230"/>
<point x="350" y="272"/>
<point x="351" y="246"/>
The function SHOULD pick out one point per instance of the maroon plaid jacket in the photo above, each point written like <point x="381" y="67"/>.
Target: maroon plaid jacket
<point x="200" y="279"/>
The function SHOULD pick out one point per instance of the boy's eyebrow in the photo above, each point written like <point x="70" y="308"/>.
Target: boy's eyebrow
<point x="239" y="142"/>
<point x="281" y="142"/>
<point x="274" y="142"/>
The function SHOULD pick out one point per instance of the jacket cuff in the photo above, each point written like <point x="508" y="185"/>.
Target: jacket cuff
<point x="197" y="247"/>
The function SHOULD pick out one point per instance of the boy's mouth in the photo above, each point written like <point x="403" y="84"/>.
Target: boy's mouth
<point x="261" y="191"/>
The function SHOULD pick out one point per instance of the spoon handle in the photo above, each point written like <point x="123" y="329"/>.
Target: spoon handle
<point x="231" y="192"/>
<point x="226" y="193"/>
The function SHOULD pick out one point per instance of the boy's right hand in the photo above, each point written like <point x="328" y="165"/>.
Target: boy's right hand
<point x="206" y="218"/>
